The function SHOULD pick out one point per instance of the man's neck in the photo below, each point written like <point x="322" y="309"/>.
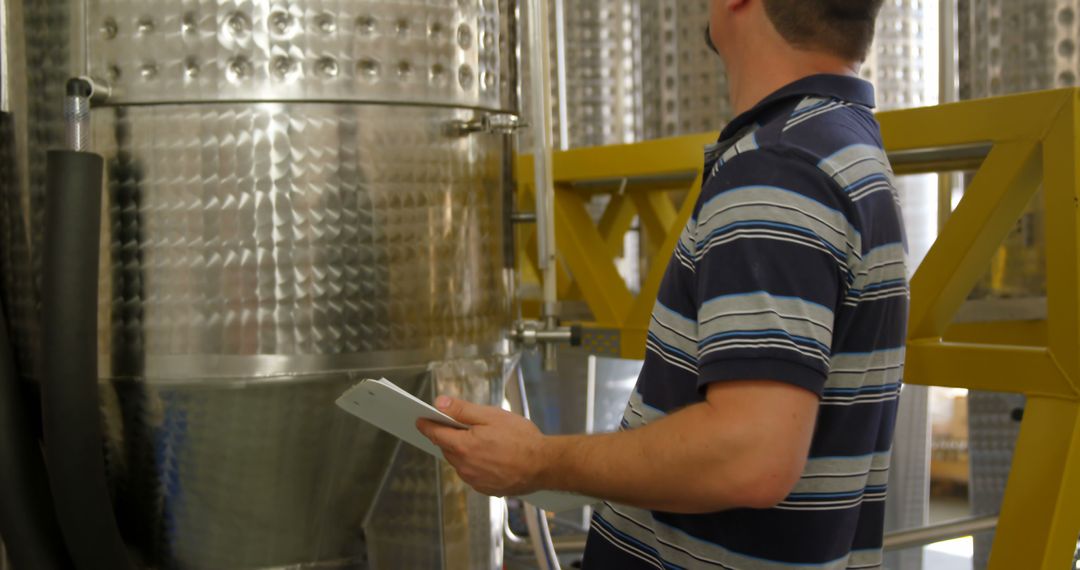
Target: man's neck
<point x="750" y="82"/>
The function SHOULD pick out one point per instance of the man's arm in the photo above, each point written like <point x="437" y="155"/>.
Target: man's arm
<point x="762" y="270"/>
<point x="744" y="447"/>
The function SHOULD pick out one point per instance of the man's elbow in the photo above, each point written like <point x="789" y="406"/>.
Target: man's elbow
<point x="762" y="486"/>
<point x="765" y="493"/>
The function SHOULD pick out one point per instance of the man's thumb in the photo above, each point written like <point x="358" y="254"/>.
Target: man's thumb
<point x="462" y="411"/>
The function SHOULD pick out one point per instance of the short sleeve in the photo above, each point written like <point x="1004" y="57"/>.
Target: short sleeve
<point x="773" y="246"/>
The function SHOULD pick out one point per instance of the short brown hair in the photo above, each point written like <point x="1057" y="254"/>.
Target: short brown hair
<point x="843" y="28"/>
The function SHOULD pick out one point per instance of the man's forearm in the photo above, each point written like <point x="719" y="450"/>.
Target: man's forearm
<point x="744" y="446"/>
<point x="677" y="464"/>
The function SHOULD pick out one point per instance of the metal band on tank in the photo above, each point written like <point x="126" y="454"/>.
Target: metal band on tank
<point x="215" y="369"/>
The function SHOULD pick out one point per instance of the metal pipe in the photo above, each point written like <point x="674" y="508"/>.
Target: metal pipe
<point x="5" y="53"/>
<point x="948" y="84"/>
<point x="27" y="519"/>
<point x="513" y="86"/>
<point x="939" y="533"/>
<point x="540" y="112"/>
<point x="893" y="541"/>
<point x="509" y="205"/>
<point x="968" y="153"/>
<point x="929" y="158"/>
<point x="627" y="183"/>
<point x="27" y="514"/>
<point x="575" y="543"/>
<point x="70" y="402"/>
<point x="531" y="334"/>
<point x="948" y="92"/>
<point x="513" y="49"/>
<point x="540" y="533"/>
<point x="77" y="114"/>
<point x="560" y="73"/>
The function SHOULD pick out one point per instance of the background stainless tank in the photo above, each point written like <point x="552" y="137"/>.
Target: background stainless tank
<point x="633" y="70"/>
<point x="596" y="94"/>
<point x="290" y="208"/>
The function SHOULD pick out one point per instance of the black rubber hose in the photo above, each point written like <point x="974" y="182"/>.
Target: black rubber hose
<point x="27" y="519"/>
<point x="70" y="404"/>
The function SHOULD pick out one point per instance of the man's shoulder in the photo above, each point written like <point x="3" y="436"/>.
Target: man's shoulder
<point x="839" y="139"/>
<point x="818" y="128"/>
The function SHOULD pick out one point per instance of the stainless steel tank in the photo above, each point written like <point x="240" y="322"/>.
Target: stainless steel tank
<point x="596" y="72"/>
<point x="634" y="70"/>
<point x="688" y="79"/>
<point x="292" y="205"/>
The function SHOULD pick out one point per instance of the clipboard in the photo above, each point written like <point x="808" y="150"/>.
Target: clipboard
<point x="395" y="411"/>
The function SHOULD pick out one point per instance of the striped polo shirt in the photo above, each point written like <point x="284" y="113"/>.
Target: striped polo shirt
<point x="791" y="269"/>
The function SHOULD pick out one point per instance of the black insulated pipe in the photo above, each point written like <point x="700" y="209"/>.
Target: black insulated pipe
<point x="27" y="519"/>
<point x="70" y="403"/>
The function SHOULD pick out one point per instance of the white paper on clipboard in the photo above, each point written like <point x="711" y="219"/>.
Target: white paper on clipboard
<point x="393" y="410"/>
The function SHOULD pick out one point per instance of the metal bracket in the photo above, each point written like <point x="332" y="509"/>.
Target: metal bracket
<point x="530" y="334"/>
<point x="495" y="123"/>
<point x="546" y="335"/>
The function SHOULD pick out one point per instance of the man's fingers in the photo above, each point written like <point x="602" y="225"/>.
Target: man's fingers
<point x="445" y="437"/>
<point x="466" y="412"/>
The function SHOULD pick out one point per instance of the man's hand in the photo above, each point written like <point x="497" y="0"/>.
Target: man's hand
<point x="744" y="447"/>
<point x="501" y="454"/>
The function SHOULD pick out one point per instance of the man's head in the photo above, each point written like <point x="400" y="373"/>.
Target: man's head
<point x="841" y="29"/>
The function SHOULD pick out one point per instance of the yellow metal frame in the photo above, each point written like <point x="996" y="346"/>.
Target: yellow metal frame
<point x="587" y="251"/>
<point x="1036" y="144"/>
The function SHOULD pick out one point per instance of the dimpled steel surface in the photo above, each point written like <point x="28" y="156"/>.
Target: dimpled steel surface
<point x="255" y="232"/>
<point x="426" y="516"/>
<point x="253" y="475"/>
<point x="256" y="253"/>
<point x="436" y="51"/>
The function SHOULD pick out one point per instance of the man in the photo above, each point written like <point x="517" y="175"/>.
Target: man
<point x="758" y="436"/>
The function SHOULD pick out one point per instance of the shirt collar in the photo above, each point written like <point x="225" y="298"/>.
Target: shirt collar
<point x="842" y="87"/>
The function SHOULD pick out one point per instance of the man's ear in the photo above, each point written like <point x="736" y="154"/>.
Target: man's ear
<point x="735" y="5"/>
<point x="709" y="42"/>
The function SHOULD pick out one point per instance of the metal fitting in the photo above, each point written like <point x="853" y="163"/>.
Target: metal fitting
<point x="530" y="334"/>
<point x="502" y="123"/>
<point x="547" y="336"/>
<point x="80" y="93"/>
<point x="496" y="124"/>
<point x="77" y="113"/>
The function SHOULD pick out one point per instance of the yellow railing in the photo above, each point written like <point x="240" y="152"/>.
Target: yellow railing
<point x="1030" y="142"/>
